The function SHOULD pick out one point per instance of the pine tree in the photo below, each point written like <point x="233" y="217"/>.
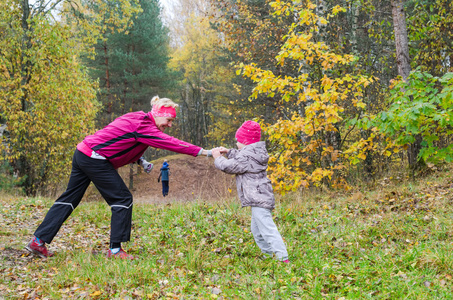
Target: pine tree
<point x="132" y="66"/>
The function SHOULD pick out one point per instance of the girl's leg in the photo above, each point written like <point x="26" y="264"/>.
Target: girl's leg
<point x="262" y="244"/>
<point x="269" y="232"/>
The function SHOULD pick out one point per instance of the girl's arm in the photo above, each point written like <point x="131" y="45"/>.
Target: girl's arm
<point x="237" y="165"/>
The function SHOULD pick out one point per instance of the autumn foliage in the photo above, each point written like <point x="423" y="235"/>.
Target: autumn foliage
<point x="421" y="106"/>
<point x="49" y="108"/>
<point x="308" y="146"/>
<point x="320" y="76"/>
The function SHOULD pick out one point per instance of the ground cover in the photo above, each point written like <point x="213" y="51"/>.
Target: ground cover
<point x="392" y="241"/>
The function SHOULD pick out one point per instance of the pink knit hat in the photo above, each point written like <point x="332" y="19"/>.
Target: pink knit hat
<point x="249" y="133"/>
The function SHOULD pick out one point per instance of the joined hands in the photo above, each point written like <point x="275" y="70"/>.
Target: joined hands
<point x="216" y="152"/>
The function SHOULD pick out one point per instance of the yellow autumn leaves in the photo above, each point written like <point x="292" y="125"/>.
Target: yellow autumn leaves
<point x="307" y="146"/>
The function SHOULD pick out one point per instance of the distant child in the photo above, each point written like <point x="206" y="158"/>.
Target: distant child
<point x="249" y="163"/>
<point x="165" y="176"/>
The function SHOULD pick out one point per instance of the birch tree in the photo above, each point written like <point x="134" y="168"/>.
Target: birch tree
<point x="404" y="69"/>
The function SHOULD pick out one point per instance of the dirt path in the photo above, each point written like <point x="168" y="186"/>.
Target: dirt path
<point x="192" y="178"/>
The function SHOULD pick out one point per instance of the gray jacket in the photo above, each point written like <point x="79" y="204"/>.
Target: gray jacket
<point x="250" y="165"/>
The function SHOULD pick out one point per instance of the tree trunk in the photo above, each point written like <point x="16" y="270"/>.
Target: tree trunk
<point x="355" y="20"/>
<point x="404" y="68"/>
<point x="131" y="177"/>
<point x="22" y="165"/>
<point x="401" y="40"/>
<point x="107" y="83"/>
<point x="124" y="110"/>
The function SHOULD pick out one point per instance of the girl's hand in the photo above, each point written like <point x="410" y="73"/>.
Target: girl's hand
<point x="223" y="150"/>
<point x="216" y="152"/>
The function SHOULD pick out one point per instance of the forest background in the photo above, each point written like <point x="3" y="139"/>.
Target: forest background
<point x="345" y="91"/>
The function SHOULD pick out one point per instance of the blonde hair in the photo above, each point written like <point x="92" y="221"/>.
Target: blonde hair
<point x="159" y="102"/>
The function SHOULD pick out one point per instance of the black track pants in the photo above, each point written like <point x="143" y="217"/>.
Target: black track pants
<point x="110" y="185"/>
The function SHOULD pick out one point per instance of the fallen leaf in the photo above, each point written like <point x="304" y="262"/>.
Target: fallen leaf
<point x="95" y="294"/>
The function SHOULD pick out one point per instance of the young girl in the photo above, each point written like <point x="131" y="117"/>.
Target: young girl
<point x="249" y="163"/>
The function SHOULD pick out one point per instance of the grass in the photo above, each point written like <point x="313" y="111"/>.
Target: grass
<point x="390" y="242"/>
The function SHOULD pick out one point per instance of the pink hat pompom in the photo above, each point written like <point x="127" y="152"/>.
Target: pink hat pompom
<point x="249" y="133"/>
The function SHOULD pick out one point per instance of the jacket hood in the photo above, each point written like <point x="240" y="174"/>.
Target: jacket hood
<point x="257" y="154"/>
<point x="165" y="165"/>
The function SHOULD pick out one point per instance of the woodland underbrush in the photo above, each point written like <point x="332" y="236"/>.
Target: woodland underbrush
<point x="392" y="241"/>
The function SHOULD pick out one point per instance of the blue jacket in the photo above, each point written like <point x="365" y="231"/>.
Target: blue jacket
<point x="164" y="172"/>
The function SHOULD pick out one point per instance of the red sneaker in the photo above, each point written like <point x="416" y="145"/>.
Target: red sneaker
<point x="121" y="254"/>
<point x="39" y="250"/>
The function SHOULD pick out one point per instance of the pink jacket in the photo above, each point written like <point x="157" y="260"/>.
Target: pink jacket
<point x="125" y="140"/>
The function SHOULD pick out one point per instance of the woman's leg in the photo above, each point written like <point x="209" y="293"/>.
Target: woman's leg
<point x="115" y="192"/>
<point x="66" y="203"/>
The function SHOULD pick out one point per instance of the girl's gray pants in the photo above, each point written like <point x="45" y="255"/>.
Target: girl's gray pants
<point x="266" y="233"/>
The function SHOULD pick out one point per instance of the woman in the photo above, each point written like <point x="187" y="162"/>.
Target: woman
<point x="97" y="159"/>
